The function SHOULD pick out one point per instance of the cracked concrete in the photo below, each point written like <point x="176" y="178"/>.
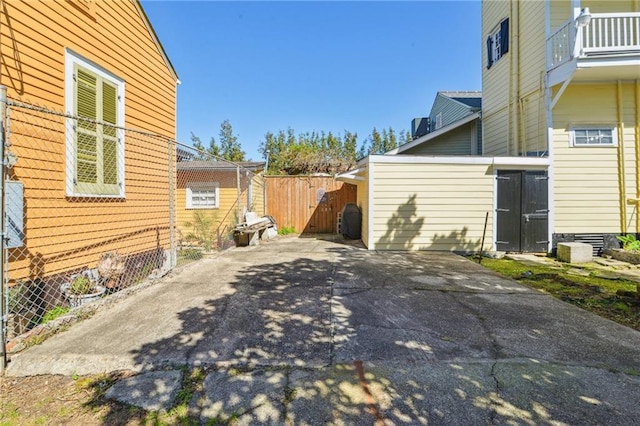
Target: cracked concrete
<point x="310" y="331"/>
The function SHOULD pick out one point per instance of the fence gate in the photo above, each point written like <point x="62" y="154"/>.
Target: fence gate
<point x="309" y="204"/>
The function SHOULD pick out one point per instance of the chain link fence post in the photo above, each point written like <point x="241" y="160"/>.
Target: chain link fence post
<point x="4" y="300"/>
<point x="173" y="255"/>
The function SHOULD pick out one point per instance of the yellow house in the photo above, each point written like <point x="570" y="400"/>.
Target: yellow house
<point x="79" y="76"/>
<point x="213" y="196"/>
<point x="573" y="96"/>
<point x="560" y="141"/>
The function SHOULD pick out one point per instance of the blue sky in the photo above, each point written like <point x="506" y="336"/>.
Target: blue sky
<point x="323" y="66"/>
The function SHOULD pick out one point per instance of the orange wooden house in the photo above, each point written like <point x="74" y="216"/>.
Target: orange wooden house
<point x="93" y="186"/>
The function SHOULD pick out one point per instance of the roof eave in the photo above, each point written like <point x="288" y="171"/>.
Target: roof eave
<point x="469" y="118"/>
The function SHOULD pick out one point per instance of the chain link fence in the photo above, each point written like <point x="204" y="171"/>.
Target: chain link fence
<point x="92" y="209"/>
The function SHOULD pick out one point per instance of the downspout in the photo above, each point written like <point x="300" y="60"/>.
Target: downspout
<point x="514" y="79"/>
<point x="518" y="107"/>
<point x="621" y="169"/>
<point x="637" y="149"/>
<point x="510" y="143"/>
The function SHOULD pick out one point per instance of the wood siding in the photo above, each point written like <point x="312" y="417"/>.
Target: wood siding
<point x="587" y="195"/>
<point x="560" y="11"/>
<point x="65" y="233"/>
<point x="432" y="206"/>
<point x="115" y="37"/>
<point x="362" y="200"/>
<point x="451" y="110"/>
<point x="296" y="201"/>
<point x="460" y="141"/>
<point x="495" y="84"/>
<point x="232" y="203"/>
<point x="514" y="117"/>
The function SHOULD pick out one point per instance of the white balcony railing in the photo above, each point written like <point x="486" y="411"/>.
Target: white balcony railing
<point x="606" y="33"/>
<point x="611" y="33"/>
<point x="560" y="45"/>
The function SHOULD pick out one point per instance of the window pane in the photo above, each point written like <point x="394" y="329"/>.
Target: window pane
<point x="203" y="198"/>
<point x="593" y="136"/>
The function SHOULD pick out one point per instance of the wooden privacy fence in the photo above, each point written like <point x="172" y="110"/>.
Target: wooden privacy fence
<point x="309" y="204"/>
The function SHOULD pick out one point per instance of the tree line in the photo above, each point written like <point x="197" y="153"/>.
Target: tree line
<point x="288" y="153"/>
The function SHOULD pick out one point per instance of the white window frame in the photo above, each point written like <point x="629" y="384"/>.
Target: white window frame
<point x="496" y="52"/>
<point x="72" y="60"/>
<point x="593" y="127"/>
<point x="438" y="121"/>
<point x="213" y="187"/>
<point x="495" y="37"/>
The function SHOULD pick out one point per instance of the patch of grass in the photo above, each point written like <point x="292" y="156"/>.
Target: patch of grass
<point x="9" y="414"/>
<point x="192" y="382"/>
<point x="286" y="230"/>
<point x="97" y="384"/>
<point x="596" y="294"/>
<point x="54" y="313"/>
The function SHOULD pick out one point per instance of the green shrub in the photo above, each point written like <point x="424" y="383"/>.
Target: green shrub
<point x="54" y="313"/>
<point x="202" y="228"/>
<point x="630" y="243"/>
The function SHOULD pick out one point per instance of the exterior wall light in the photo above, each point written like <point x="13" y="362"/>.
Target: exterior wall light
<point x="584" y="18"/>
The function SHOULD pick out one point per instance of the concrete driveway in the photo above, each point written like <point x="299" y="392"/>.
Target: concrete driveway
<point x="307" y="331"/>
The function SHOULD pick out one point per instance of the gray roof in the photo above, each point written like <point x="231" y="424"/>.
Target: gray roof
<point x="472" y="98"/>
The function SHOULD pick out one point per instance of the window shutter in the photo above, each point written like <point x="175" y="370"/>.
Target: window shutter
<point x="489" y="51"/>
<point x="109" y="131"/>
<point x="86" y="136"/>
<point x="504" y="37"/>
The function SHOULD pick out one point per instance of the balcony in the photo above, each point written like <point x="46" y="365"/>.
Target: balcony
<point x="608" y="47"/>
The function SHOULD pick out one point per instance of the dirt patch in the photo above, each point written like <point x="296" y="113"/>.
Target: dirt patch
<point x="60" y="400"/>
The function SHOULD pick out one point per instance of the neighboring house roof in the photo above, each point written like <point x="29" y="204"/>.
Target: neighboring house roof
<point x="219" y="166"/>
<point x="156" y="40"/>
<point x="472" y="99"/>
<point x="441" y="131"/>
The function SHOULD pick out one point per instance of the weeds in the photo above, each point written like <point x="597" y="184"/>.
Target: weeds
<point x="602" y="296"/>
<point x="54" y="313"/>
<point x="286" y="230"/>
<point x="629" y="243"/>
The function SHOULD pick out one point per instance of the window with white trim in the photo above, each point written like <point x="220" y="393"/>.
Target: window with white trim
<point x="498" y="43"/>
<point x="593" y="136"/>
<point x="94" y="98"/>
<point x="203" y="195"/>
